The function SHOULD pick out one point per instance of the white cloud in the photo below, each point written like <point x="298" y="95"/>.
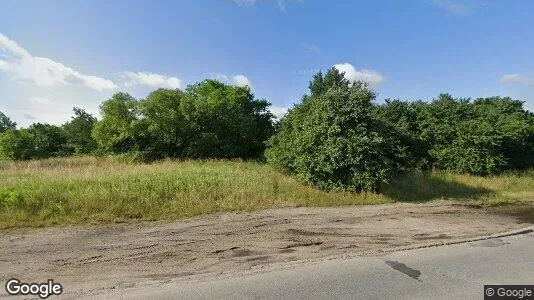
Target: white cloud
<point x="312" y="48"/>
<point x="151" y="79"/>
<point x="244" y="2"/>
<point x="239" y="80"/>
<point x="459" y="8"/>
<point x="3" y="65"/>
<point x="280" y="3"/>
<point x="278" y="111"/>
<point x="242" y="80"/>
<point x="40" y="100"/>
<point x="43" y="71"/>
<point x="29" y="116"/>
<point x="351" y="74"/>
<point x="517" y="78"/>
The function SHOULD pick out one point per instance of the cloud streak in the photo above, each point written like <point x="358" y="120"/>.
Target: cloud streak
<point x="278" y="111"/>
<point x="457" y="8"/>
<point x="351" y="74"/>
<point x="151" y="79"/>
<point x="312" y="48"/>
<point x="40" y="100"/>
<point x="239" y="80"/>
<point x="280" y="3"/>
<point x="517" y="79"/>
<point x="43" y="71"/>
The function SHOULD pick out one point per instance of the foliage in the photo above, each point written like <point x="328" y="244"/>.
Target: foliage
<point x="6" y="123"/>
<point x="481" y="137"/>
<point x="78" y="132"/>
<point x="16" y="144"/>
<point x="120" y="129"/>
<point x="334" y="140"/>
<point x="207" y="120"/>
<point x="37" y="141"/>
<point x="225" y="121"/>
<point x="70" y="190"/>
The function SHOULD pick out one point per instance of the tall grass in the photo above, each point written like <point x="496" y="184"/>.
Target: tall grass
<point x="87" y="189"/>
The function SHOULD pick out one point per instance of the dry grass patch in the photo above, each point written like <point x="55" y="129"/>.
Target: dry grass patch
<point x="87" y="189"/>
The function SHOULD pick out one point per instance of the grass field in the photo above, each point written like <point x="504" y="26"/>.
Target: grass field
<point x="87" y="190"/>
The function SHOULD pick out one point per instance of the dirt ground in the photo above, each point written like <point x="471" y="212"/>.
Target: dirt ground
<point x="95" y="259"/>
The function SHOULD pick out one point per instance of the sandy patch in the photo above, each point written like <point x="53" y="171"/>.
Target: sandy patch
<point x="94" y="259"/>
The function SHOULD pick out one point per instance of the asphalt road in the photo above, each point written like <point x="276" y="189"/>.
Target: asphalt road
<point x="445" y="272"/>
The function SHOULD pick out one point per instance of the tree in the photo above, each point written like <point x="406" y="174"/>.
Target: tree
<point x="35" y="142"/>
<point x="207" y="120"/>
<point x="226" y="121"/>
<point x="168" y="122"/>
<point x="121" y="129"/>
<point x="48" y="140"/>
<point x="480" y="137"/>
<point x="6" y="123"/>
<point x="403" y="119"/>
<point x="16" y="144"/>
<point x="78" y="132"/>
<point x="334" y="140"/>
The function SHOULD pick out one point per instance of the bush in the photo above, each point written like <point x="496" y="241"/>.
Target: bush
<point x="486" y="136"/>
<point x="78" y="132"/>
<point x="6" y="123"/>
<point x="16" y="144"/>
<point x="481" y="137"/>
<point x="120" y="129"/>
<point x="207" y="120"/>
<point x="334" y="140"/>
<point x="35" y="142"/>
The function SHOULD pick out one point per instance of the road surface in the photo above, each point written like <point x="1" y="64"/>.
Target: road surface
<point x="446" y="272"/>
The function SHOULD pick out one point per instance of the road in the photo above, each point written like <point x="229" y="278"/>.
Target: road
<point x="446" y="272"/>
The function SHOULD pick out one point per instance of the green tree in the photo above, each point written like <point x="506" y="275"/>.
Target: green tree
<point x="480" y="137"/>
<point x="121" y="128"/>
<point x="35" y="142"/>
<point x="207" y="120"/>
<point x="227" y="121"/>
<point x="6" y="123"/>
<point x="334" y="140"/>
<point x="78" y="132"/>
<point x="403" y="120"/>
<point x="16" y="144"/>
<point x="168" y="122"/>
<point x="48" y="140"/>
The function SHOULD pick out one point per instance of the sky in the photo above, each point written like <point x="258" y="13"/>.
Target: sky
<point x="55" y="55"/>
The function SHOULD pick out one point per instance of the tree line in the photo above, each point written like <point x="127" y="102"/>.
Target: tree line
<point x="207" y="120"/>
<point x="337" y="137"/>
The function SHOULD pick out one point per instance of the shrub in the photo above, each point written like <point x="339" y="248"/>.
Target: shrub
<point x="207" y="120"/>
<point x="78" y="132"/>
<point x="35" y="142"/>
<point x="483" y="137"/>
<point x="334" y="140"/>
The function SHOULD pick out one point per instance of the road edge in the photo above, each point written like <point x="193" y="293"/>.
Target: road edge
<point x="524" y="230"/>
<point x="379" y="252"/>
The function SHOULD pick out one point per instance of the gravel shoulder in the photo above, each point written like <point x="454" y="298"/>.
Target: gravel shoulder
<point x="91" y="260"/>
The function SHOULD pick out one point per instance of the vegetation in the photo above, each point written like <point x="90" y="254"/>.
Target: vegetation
<point x="77" y="132"/>
<point x="486" y="136"/>
<point x="336" y="138"/>
<point x="107" y="189"/>
<point x="6" y="123"/>
<point x="207" y="120"/>
<point x="333" y="140"/>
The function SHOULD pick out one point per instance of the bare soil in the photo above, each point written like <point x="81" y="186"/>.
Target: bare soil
<point x="94" y="259"/>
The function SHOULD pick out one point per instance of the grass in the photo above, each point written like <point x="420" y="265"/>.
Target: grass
<point x="87" y="190"/>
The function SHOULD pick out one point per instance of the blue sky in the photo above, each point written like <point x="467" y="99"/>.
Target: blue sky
<point x="58" y="54"/>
